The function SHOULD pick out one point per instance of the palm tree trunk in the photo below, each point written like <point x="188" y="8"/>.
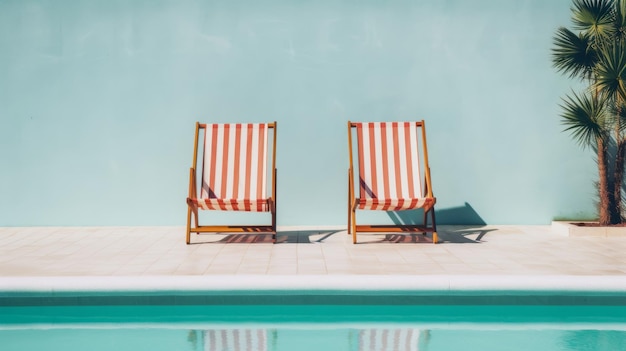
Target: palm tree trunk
<point x="618" y="180"/>
<point x="603" y="184"/>
<point x="618" y="176"/>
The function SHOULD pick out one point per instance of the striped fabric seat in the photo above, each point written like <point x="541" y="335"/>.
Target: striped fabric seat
<point x="234" y="175"/>
<point x="389" y="167"/>
<point x="233" y="205"/>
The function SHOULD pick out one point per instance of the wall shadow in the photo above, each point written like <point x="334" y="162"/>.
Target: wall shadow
<point x="459" y="215"/>
<point x="459" y="224"/>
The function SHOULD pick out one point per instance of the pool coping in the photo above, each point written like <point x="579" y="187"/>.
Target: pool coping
<point x="299" y="283"/>
<point x="289" y="290"/>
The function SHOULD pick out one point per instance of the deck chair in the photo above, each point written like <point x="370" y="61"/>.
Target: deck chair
<point x="389" y="175"/>
<point x="233" y="175"/>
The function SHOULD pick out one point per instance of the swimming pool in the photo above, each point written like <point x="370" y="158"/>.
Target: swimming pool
<point x="313" y="327"/>
<point x="399" y="317"/>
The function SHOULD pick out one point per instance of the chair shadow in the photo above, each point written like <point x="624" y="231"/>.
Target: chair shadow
<point x="455" y="234"/>
<point x="304" y="236"/>
<point x="395" y="238"/>
<point x="282" y="237"/>
<point x="463" y="234"/>
<point x="447" y="234"/>
<point x="459" y="224"/>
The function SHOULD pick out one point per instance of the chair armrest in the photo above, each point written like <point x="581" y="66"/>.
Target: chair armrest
<point x="274" y="181"/>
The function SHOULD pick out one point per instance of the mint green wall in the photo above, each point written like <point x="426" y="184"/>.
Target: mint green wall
<point x="98" y="101"/>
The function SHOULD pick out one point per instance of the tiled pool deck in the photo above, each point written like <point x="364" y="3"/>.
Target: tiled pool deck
<point x="480" y="255"/>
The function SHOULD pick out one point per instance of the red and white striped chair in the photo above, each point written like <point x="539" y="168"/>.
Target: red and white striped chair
<point x="389" y="175"/>
<point x="233" y="175"/>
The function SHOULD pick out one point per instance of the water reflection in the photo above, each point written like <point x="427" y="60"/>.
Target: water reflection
<point x="370" y="339"/>
<point x="232" y="339"/>
<point x="392" y="339"/>
<point x="314" y="337"/>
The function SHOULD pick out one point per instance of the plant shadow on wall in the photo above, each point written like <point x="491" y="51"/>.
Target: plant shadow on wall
<point x="595" y="53"/>
<point x="462" y="224"/>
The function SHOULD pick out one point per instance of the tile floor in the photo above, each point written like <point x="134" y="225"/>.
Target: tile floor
<point x="149" y="251"/>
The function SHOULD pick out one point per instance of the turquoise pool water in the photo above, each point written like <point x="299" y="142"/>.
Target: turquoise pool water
<point x="318" y="326"/>
<point x="337" y="338"/>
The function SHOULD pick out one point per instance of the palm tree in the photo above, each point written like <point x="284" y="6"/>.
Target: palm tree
<point x="596" y="53"/>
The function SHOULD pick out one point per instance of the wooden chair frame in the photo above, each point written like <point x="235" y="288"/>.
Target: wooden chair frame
<point x="228" y="228"/>
<point x="353" y="228"/>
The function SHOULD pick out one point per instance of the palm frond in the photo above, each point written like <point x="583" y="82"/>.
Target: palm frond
<point x="584" y="117"/>
<point x="594" y="17"/>
<point x="573" y="54"/>
<point x="619" y="21"/>
<point x="611" y="72"/>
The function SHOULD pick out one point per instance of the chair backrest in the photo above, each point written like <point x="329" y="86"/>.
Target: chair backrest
<point x="234" y="161"/>
<point x="389" y="160"/>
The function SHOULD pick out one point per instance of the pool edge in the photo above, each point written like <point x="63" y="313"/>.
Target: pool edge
<point x="444" y="283"/>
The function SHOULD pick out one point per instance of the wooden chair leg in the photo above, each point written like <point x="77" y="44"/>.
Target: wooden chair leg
<point x="349" y="201"/>
<point x="273" y="208"/>
<point x="434" y="224"/>
<point x="274" y="196"/>
<point x="189" y="224"/>
<point x="273" y="228"/>
<point x="353" y="223"/>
